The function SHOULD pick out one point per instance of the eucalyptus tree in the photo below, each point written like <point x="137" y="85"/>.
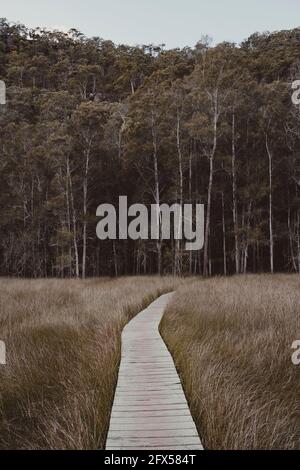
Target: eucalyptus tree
<point x="275" y="99"/>
<point x="88" y="122"/>
<point x="209" y="86"/>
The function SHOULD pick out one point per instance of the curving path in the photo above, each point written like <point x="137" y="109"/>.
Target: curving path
<point x="150" y="411"/>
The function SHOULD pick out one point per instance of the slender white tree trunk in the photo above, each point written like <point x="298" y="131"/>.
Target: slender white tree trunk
<point x="234" y="200"/>
<point x="270" y="205"/>
<point x="291" y="241"/>
<point x="224" y="236"/>
<point x="156" y="193"/>
<point x="85" y="196"/>
<point x="206" y="267"/>
<point x="246" y="254"/>
<point x="74" y="221"/>
<point x="190" y="201"/>
<point x="180" y="175"/>
<point x="115" y="259"/>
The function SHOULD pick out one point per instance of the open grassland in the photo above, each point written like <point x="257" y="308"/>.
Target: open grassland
<point x="231" y="340"/>
<point x="63" y="351"/>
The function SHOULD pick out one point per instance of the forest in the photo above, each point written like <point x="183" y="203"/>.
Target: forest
<point x="87" y="121"/>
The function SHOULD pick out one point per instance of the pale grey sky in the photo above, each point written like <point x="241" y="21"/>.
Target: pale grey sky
<point x="176" y="23"/>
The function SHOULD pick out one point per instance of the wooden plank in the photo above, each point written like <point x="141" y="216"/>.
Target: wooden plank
<point x="150" y="410"/>
<point x="149" y="390"/>
<point x="139" y="401"/>
<point x="150" y="433"/>
<point x="165" y="388"/>
<point x="149" y="407"/>
<point x="149" y="375"/>
<point x="163" y="380"/>
<point x="153" y="441"/>
<point x="161" y="426"/>
<point x="131" y="413"/>
<point x="134" y="420"/>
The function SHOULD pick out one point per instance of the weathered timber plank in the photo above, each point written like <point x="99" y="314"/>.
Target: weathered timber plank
<point x="158" y="442"/>
<point x="128" y="414"/>
<point x="134" y="420"/>
<point x="183" y="429"/>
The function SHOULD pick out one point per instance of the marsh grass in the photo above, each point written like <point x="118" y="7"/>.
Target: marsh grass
<point x="63" y="351"/>
<point x="231" y="340"/>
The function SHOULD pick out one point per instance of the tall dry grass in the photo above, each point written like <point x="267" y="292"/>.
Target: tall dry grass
<point x="231" y="340"/>
<point x="63" y="351"/>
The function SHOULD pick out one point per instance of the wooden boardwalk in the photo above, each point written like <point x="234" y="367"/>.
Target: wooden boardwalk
<point x="150" y="411"/>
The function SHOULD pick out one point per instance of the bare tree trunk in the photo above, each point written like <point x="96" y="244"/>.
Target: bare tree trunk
<point x="190" y="202"/>
<point x="245" y="267"/>
<point x="132" y="86"/>
<point x="270" y="205"/>
<point x="234" y="201"/>
<point x="94" y="85"/>
<point x="67" y="186"/>
<point x="210" y="185"/>
<point x="115" y="259"/>
<point x="120" y="135"/>
<point x="242" y="246"/>
<point x="207" y="226"/>
<point x="83" y="90"/>
<point x="156" y="194"/>
<point x="85" y="195"/>
<point x="74" y="222"/>
<point x="180" y="174"/>
<point x="224" y="236"/>
<point x="209" y="259"/>
<point x="33" y="241"/>
<point x="291" y="241"/>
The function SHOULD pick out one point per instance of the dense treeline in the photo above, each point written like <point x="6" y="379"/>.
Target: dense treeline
<point x="87" y="121"/>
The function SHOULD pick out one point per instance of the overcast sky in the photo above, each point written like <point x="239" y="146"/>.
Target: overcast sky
<point x="177" y="23"/>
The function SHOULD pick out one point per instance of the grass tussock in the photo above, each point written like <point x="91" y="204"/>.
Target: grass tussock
<point x="63" y="352"/>
<point x="231" y="339"/>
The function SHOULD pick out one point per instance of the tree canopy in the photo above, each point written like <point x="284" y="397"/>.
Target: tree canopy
<point x="87" y="121"/>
